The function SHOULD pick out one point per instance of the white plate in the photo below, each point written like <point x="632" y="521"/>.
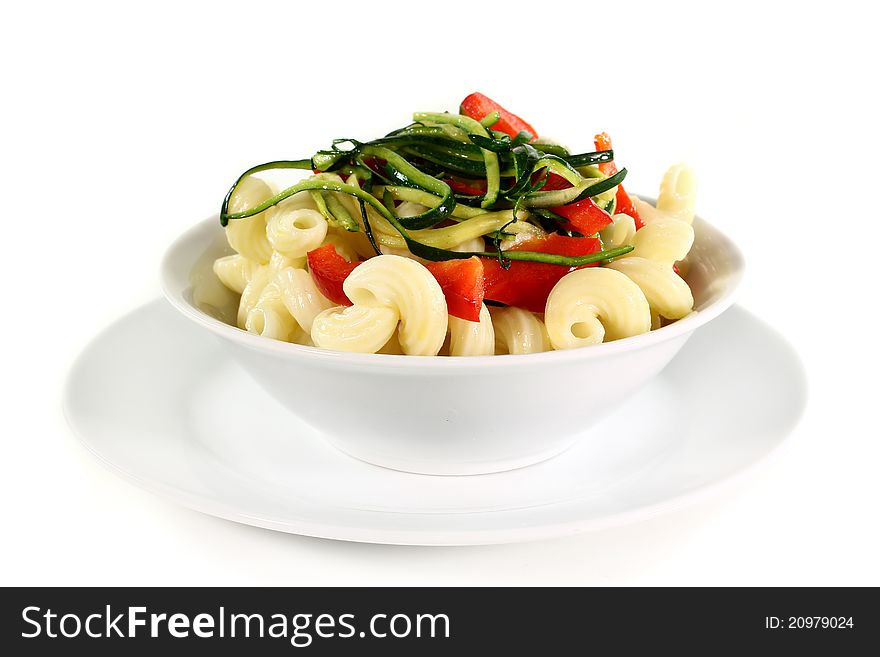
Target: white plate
<point x="160" y="404"/>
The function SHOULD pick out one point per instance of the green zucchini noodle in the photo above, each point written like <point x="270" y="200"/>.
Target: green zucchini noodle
<point x="497" y="184"/>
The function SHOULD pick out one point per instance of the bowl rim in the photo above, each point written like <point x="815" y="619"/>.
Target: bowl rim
<point x="174" y="293"/>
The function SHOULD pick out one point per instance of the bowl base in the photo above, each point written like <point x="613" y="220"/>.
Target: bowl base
<point x="450" y="469"/>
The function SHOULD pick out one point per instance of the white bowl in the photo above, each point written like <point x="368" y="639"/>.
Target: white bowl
<point x="455" y="416"/>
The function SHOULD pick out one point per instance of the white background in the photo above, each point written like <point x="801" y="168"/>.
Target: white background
<point x="122" y="125"/>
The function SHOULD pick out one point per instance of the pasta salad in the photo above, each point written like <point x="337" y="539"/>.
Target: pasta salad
<point x="459" y="234"/>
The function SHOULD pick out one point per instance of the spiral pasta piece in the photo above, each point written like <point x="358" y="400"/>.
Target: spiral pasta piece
<point x="235" y="271"/>
<point x="269" y="317"/>
<point x="248" y="236"/>
<point x="589" y="306"/>
<point x="621" y="231"/>
<point x="518" y="331"/>
<point x="301" y="297"/>
<point x="412" y="291"/>
<point x="250" y="296"/>
<point x="667" y="294"/>
<point x="678" y="193"/>
<point x="665" y="241"/>
<point x="359" y="328"/>
<point x="656" y="247"/>
<point x="299" y="201"/>
<point x="472" y="338"/>
<point x="647" y="212"/>
<point x="295" y="231"/>
<point x="279" y="261"/>
<point x="392" y="347"/>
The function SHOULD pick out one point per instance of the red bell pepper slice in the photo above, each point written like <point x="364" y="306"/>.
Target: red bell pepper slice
<point x="462" y="284"/>
<point x="603" y="143"/>
<point x="528" y="284"/>
<point x="624" y="204"/>
<point x="554" y="182"/>
<point x="584" y="216"/>
<point x="460" y="280"/>
<point x="468" y="187"/>
<point x="329" y="270"/>
<point x="477" y="106"/>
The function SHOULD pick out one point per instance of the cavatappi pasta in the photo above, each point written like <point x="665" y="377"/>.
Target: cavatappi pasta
<point x="461" y="234"/>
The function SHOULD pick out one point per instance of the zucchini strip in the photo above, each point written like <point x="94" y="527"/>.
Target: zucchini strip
<point x="321" y="204"/>
<point x="427" y="199"/>
<point x="331" y="208"/>
<point x="587" y="188"/>
<point x="341" y="216"/>
<point x="448" y="160"/>
<point x="449" y="237"/>
<point x="400" y="170"/>
<point x="551" y="149"/>
<point x="528" y="161"/>
<point x="417" y="248"/>
<point x="468" y="150"/>
<point x="585" y="159"/>
<point x="470" y="126"/>
<point x="490" y="119"/>
<point x="420" y="162"/>
<point x="554" y="259"/>
<point x="267" y="166"/>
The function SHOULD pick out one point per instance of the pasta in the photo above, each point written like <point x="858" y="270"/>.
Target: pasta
<point x="647" y="212"/>
<point x="345" y="244"/>
<point x="411" y="291"/>
<point x="235" y="271"/>
<point x="678" y="193"/>
<point x="667" y="293"/>
<point x="280" y="261"/>
<point x="589" y="306"/>
<point x="250" y="296"/>
<point x="518" y="331"/>
<point x="446" y="236"/>
<point x="269" y="316"/>
<point x="392" y="347"/>
<point x="363" y="329"/>
<point x="248" y="236"/>
<point x="293" y="232"/>
<point x="656" y="248"/>
<point x="468" y="338"/>
<point x="301" y="297"/>
<point x="410" y="209"/>
<point x="402" y="252"/>
<point x="620" y="232"/>
<point x="256" y="283"/>
<point x="474" y="244"/>
<point x="210" y="294"/>
<point x="665" y="241"/>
